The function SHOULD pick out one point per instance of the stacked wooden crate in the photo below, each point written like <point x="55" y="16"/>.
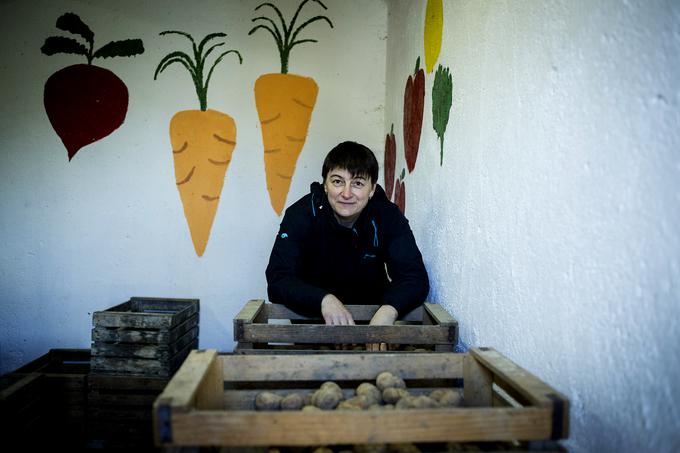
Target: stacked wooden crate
<point x="136" y="348"/>
<point x="265" y="328"/>
<point x="48" y="397"/>
<point x="210" y="402"/>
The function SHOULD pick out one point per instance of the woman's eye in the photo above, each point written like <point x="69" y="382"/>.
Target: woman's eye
<point x="358" y="184"/>
<point x="336" y="182"/>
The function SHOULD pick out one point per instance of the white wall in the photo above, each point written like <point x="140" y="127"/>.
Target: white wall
<point x="551" y="230"/>
<point x="85" y="235"/>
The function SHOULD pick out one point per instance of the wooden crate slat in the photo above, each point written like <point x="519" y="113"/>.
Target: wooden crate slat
<point x="529" y="386"/>
<point x="359" y="312"/>
<point x="248" y="428"/>
<point x="59" y="361"/>
<point x="439" y="314"/>
<point x="182" y="389"/>
<point x="250" y="311"/>
<point x="144" y="350"/>
<point x="103" y="382"/>
<point x="135" y="315"/>
<point x="255" y="327"/>
<point x="136" y="366"/>
<point x="149" y="336"/>
<point x="315" y="367"/>
<point x="314" y="333"/>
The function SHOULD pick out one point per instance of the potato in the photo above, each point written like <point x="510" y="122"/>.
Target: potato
<point x="292" y="402"/>
<point x="392" y="395"/>
<point x="424" y="402"/>
<point x="388" y="380"/>
<point x="405" y="403"/>
<point x="370" y="448"/>
<point x="358" y="402"/>
<point x="327" y="398"/>
<point x="307" y="399"/>
<point x="310" y="409"/>
<point x="267" y="401"/>
<point x="331" y="386"/>
<point x="403" y="448"/>
<point x="371" y="392"/>
<point x="323" y="450"/>
<point x="447" y="397"/>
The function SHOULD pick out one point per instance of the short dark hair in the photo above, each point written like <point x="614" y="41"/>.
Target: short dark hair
<point x="354" y="157"/>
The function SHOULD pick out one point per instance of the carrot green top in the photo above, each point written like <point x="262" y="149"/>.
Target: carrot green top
<point x="71" y="23"/>
<point x="196" y="65"/>
<point x="286" y="35"/>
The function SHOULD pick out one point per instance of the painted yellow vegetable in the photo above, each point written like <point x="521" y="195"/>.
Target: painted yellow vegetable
<point x="434" y="23"/>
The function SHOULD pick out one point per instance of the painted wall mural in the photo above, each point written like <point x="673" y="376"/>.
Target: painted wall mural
<point x="442" y="94"/>
<point x="84" y="102"/>
<point x="392" y="188"/>
<point x="434" y="24"/>
<point x="414" y="103"/>
<point x="202" y="140"/>
<point x="390" y="162"/>
<point x="284" y="102"/>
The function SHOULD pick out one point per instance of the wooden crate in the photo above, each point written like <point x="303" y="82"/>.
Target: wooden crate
<point x="48" y="396"/>
<point x="22" y="404"/>
<point x="65" y="372"/>
<point x="120" y="410"/>
<point x="427" y="327"/>
<point x="209" y="401"/>
<point x="144" y="336"/>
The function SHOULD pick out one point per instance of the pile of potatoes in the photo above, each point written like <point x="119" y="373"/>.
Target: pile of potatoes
<point x="388" y="392"/>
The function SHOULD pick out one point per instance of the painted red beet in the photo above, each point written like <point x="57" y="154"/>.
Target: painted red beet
<point x="390" y="162"/>
<point x="400" y="195"/>
<point x="84" y="103"/>
<point x="414" y="103"/>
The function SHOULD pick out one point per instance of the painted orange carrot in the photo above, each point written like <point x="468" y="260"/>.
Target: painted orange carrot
<point x="284" y="104"/>
<point x="202" y="142"/>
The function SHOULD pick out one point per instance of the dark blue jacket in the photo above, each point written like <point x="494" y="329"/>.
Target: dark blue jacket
<point x="314" y="255"/>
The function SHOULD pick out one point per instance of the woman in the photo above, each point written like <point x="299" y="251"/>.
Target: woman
<point x="337" y="245"/>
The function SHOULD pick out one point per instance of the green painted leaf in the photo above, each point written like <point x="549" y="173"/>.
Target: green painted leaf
<point x="60" y="44"/>
<point x="125" y="48"/>
<point x="442" y="94"/>
<point x="71" y="23"/>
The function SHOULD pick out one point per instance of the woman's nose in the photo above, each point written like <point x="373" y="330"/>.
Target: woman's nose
<point x="346" y="191"/>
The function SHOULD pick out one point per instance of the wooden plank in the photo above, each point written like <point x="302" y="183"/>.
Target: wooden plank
<point x="440" y="316"/>
<point x="181" y="391"/>
<point x="105" y="382"/>
<point x="249" y="428"/>
<point x="528" y="386"/>
<point x="314" y="333"/>
<point x="143" y="350"/>
<point x="179" y="312"/>
<point x="250" y="311"/>
<point x="246" y="316"/>
<point x="211" y="390"/>
<point x="359" y="312"/>
<point x="478" y="381"/>
<point x="73" y="361"/>
<point x="163" y="366"/>
<point x="128" y="335"/>
<point x="318" y="367"/>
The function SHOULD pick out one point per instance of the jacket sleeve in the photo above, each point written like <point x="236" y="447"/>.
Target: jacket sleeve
<point x="285" y="284"/>
<point x="409" y="283"/>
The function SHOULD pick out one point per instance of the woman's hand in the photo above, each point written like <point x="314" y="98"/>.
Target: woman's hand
<point x="334" y="312"/>
<point x="385" y="316"/>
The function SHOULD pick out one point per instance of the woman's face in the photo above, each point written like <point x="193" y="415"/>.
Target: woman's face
<point x="348" y="196"/>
